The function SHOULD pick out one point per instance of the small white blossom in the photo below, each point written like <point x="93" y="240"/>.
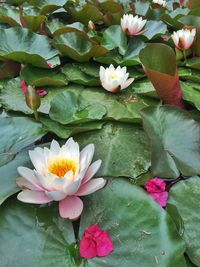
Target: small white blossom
<point x="183" y="39"/>
<point x="132" y="25"/>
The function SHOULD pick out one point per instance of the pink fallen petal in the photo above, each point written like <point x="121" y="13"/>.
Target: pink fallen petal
<point x="155" y="185"/>
<point x="104" y="244"/>
<point x="88" y="247"/>
<point x="50" y="65"/>
<point x="91" y="186"/>
<point x="35" y="197"/>
<point x="71" y="207"/>
<point x="23" y="86"/>
<point x="95" y="242"/>
<point x="160" y="198"/>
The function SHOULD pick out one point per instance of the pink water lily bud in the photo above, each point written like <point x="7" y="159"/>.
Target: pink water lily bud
<point x="114" y="80"/>
<point x="60" y="174"/>
<point x="132" y="25"/>
<point x="156" y="188"/>
<point x="161" y="3"/>
<point x="91" y="25"/>
<point x="183" y="39"/>
<point x="95" y="243"/>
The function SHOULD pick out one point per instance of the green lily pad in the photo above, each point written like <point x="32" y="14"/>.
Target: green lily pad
<point x="188" y="208"/>
<point x="126" y="155"/>
<point x="8" y="175"/>
<point x="17" y="133"/>
<point x="194" y="63"/>
<point x="64" y="131"/>
<point x="77" y="46"/>
<point x="74" y="73"/>
<point x="191" y="94"/>
<point x="136" y="225"/>
<point x="66" y="108"/>
<point x="42" y="77"/>
<point x="174" y="137"/>
<point x="33" y="22"/>
<point x="114" y="37"/>
<point x="10" y="15"/>
<point x="48" y="6"/>
<point x="22" y="225"/>
<point x="25" y="47"/>
<point x="125" y="106"/>
<point x="154" y="29"/>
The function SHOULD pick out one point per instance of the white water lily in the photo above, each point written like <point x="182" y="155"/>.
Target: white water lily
<point x="183" y="39"/>
<point x="61" y="174"/>
<point x="162" y="3"/>
<point x="114" y="80"/>
<point x="132" y="25"/>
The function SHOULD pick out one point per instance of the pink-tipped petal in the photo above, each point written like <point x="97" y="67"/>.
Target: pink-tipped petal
<point x="35" y="197"/>
<point x="71" y="207"/>
<point x="23" y="86"/>
<point x="29" y="175"/>
<point x="22" y="182"/>
<point x="94" y="167"/>
<point x="56" y="195"/>
<point x="91" y="186"/>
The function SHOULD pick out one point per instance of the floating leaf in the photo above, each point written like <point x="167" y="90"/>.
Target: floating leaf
<point x="154" y="29"/>
<point x="39" y="224"/>
<point x="114" y="37"/>
<point x="174" y="137"/>
<point x="159" y="62"/>
<point x="17" y="133"/>
<point x="119" y="162"/>
<point x="64" y="131"/>
<point x="77" y="46"/>
<point x="9" y="69"/>
<point x="42" y="77"/>
<point x="188" y="208"/>
<point x="136" y="225"/>
<point x="25" y="47"/>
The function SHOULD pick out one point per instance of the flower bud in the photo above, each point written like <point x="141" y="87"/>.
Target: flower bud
<point x="91" y="26"/>
<point x="32" y="98"/>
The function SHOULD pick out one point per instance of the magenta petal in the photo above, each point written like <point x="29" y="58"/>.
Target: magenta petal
<point x="41" y="92"/>
<point x="160" y="198"/>
<point x="71" y="207"/>
<point x="88" y="248"/>
<point x="23" y="86"/>
<point x="104" y="244"/>
<point x="155" y="185"/>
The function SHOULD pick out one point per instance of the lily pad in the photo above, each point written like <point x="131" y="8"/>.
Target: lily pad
<point x="174" y="137"/>
<point x="118" y="158"/>
<point x="22" y="225"/>
<point x="188" y="208"/>
<point x="25" y="47"/>
<point x="17" y="133"/>
<point x="42" y="77"/>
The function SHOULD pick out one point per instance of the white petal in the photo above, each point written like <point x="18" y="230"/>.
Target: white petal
<point x="56" y="195"/>
<point x="34" y="197"/>
<point x="55" y="147"/>
<point x="94" y="167"/>
<point x="91" y="186"/>
<point x="127" y="83"/>
<point x="29" y="175"/>
<point x="86" y="156"/>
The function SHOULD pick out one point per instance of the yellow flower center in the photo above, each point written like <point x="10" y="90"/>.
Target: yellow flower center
<point x="61" y="166"/>
<point x="113" y="75"/>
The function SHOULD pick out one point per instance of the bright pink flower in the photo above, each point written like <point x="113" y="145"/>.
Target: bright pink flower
<point x="40" y="92"/>
<point x="156" y="188"/>
<point x="95" y="243"/>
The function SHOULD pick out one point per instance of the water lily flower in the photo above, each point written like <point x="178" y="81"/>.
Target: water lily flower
<point x="95" y="243"/>
<point x="61" y="174"/>
<point x="183" y="39"/>
<point x="114" y="80"/>
<point x="156" y="188"/>
<point x="161" y="3"/>
<point x="132" y="25"/>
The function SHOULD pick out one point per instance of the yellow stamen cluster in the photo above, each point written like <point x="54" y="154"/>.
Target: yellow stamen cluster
<point x="61" y="166"/>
